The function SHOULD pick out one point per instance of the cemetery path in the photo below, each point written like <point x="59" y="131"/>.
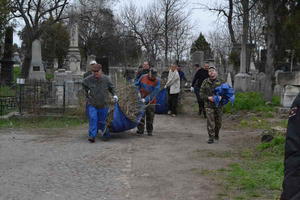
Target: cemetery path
<point x="46" y="164"/>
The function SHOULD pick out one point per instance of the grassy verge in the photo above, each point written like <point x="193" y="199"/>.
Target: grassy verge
<point x="258" y="175"/>
<point x="252" y="101"/>
<point x="41" y="122"/>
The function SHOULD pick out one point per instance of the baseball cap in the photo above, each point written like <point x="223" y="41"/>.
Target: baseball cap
<point x="93" y="62"/>
<point x="212" y="67"/>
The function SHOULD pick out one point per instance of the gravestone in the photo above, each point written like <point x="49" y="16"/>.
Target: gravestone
<point x="198" y="58"/>
<point x="74" y="58"/>
<point x="242" y="82"/>
<point x="290" y="93"/>
<point x="65" y="87"/>
<point x="229" y="80"/>
<point x="55" y="64"/>
<point x="288" y="78"/>
<point x="36" y="71"/>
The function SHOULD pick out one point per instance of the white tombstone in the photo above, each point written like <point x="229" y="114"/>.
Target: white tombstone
<point x="242" y="82"/>
<point x="55" y="64"/>
<point x="290" y="93"/>
<point x="74" y="57"/>
<point x="229" y="80"/>
<point x="198" y="58"/>
<point x="36" y="71"/>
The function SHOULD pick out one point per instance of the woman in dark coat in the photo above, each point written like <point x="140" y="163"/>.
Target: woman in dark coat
<point x="291" y="182"/>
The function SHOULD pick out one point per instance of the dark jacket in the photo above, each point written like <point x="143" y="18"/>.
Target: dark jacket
<point x="97" y="90"/>
<point x="208" y="89"/>
<point x="291" y="182"/>
<point x="141" y="73"/>
<point x="199" y="77"/>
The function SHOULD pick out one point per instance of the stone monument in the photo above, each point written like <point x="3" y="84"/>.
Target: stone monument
<point x="36" y="71"/>
<point x="242" y="80"/>
<point x="198" y="58"/>
<point x="74" y="57"/>
<point x="288" y="84"/>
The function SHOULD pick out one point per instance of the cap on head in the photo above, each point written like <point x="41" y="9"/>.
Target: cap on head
<point x="96" y="67"/>
<point x="93" y="62"/>
<point x="212" y="67"/>
<point x="196" y="65"/>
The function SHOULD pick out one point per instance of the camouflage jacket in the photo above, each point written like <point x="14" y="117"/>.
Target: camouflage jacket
<point x="207" y="89"/>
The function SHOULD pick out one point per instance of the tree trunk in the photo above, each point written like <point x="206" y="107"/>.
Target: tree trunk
<point x="7" y="63"/>
<point x="270" y="49"/>
<point x="243" y="64"/>
<point x="229" y="23"/>
<point x="27" y="61"/>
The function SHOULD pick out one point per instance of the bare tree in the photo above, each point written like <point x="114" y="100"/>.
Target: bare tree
<point x="34" y="13"/>
<point x="146" y="27"/>
<point x="181" y="40"/>
<point x="171" y="9"/>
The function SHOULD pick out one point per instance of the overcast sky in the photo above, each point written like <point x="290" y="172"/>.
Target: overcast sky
<point x="202" y="21"/>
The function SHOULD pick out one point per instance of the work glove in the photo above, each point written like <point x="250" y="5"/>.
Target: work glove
<point x="165" y="86"/>
<point x="115" y="98"/>
<point x="192" y="89"/>
<point x="186" y="84"/>
<point x="143" y="100"/>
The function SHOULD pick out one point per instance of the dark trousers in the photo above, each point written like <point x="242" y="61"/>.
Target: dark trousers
<point x="173" y="102"/>
<point x="199" y="100"/>
<point x="149" y="116"/>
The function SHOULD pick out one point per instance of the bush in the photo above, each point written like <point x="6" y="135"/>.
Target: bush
<point x="251" y="101"/>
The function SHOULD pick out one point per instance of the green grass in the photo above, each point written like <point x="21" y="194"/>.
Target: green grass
<point x="41" y="122"/>
<point x="7" y="91"/>
<point x="49" y="76"/>
<point x="251" y="101"/>
<point x="259" y="172"/>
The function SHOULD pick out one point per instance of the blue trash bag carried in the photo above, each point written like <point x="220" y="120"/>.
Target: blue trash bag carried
<point x="121" y="123"/>
<point x="162" y="102"/>
<point x="227" y="94"/>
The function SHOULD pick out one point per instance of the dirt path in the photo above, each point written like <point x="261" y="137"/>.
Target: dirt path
<point x="50" y="164"/>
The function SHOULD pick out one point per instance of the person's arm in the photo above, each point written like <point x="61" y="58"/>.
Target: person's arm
<point x="111" y="87"/>
<point x="195" y="79"/>
<point x="85" y="87"/>
<point x="203" y="91"/>
<point x="172" y="80"/>
<point x="183" y="77"/>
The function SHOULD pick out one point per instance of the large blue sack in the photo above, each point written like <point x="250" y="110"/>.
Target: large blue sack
<point x="121" y="123"/>
<point x="227" y="94"/>
<point x="162" y="102"/>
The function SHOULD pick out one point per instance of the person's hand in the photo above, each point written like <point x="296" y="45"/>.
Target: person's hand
<point x="211" y="99"/>
<point x="186" y="84"/>
<point x="192" y="89"/>
<point x="116" y="98"/>
<point x="165" y="86"/>
<point x="143" y="100"/>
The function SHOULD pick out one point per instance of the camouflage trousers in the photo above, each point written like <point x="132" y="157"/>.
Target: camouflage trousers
<point x="149" y="116"/>
<point x="214" y="121"/>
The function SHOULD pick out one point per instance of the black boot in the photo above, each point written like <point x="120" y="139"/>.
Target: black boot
<point x="210" y="140"/>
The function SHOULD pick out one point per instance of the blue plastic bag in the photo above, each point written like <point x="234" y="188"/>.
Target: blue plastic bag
<point x="121" y="123"/>
<point x="161" y="106"/>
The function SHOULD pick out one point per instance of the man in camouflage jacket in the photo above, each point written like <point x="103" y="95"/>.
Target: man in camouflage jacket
<point x="213" y="113"/>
